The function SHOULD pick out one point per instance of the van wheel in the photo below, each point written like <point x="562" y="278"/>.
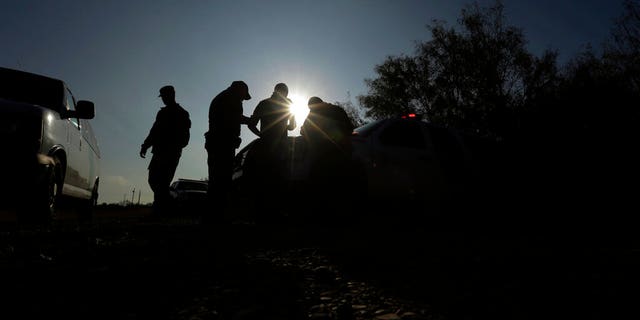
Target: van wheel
<point x="42" y="209"/>
<point x="52" y="193"/>
<point x="86" y="211"/>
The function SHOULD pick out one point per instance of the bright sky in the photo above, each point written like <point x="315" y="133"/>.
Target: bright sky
<point x="119" y="53"/>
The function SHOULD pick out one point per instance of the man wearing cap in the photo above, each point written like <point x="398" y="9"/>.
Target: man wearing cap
<point x="327" y="131"/>
<point x="221" y="141"/>
<point x="328" y="126"/>
<point x="167" y="137"/>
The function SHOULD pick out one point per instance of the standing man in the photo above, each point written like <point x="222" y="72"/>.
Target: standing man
<point x="221" y="141"/>
<point x="167" y="137"/>
<point x="327" y="130"/>
<point x="275" y="121"/>
<point x="275" y="118"/>
<point x="328" y="127"/>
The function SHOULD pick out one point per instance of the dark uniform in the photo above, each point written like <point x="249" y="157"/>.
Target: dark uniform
<point x="327" y="131"/>
<point x="222" y="139"/>
<point x="167" y="137"/>
<point x="275" y="120"/>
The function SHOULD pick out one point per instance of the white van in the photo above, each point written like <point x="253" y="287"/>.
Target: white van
<point x="49" y="149"/>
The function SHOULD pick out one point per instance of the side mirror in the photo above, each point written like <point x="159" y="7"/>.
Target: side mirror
<point x="85" y="110"/>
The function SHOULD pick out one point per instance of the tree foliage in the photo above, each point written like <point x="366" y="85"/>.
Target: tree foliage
<point x="477" y="76"/>
<point x="623" y="52"/>
<point x="602" y="91"/>
<point x="568" y="133"/>
<point x="356" y="115"/>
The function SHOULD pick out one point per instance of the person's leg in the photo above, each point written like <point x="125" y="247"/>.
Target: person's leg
<point x="155" y="183"/>
<point x="207" y="215"/>
<point x="161" y="171"/>
<point x="225" y="181"/>
<point x="170" y="164"/>
<point x="220" y="161"/>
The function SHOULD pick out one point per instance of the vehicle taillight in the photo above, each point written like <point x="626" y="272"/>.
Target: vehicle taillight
<point x="410" y="116"/>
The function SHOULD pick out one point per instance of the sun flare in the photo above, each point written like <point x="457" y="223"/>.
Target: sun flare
<point x="299" y="107"/>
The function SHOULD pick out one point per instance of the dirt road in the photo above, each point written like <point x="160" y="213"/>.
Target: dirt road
<point x="123" y="266"/>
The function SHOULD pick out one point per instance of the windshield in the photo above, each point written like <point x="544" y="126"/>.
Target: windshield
<point x="188" y="185"/>
<point x="366" y="129"/>
<point x="32" y="89"/>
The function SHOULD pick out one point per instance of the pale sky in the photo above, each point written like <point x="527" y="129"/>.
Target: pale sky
<point x="119" y="53"/>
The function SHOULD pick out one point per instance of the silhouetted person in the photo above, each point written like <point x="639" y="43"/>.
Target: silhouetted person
<point x="327" y="127"/>
<point x="327" y="131"/>
<point x="167" y="137"/>
<point x="274" y="117"/>
<point x="222" y="139"/>
<point x="275" y="120"/>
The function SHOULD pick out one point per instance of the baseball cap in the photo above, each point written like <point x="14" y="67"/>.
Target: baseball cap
<point x="242" y="87"/>
<point x="314" y="100"/>
<point x="166" y="90"/>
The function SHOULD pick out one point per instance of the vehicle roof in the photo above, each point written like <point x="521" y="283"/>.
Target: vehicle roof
<point x="19" y="86"/>
<point x="15" y="72"/>
<point x="190" y="180"/>
<point x="190" y="184"/>
<point x="366" y="129"/>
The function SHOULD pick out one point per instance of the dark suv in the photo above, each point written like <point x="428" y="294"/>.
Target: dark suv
<point x="395" y="160"/>
<point x="189" y="192"/>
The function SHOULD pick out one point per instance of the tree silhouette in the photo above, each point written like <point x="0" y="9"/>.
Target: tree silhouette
<point x="568" y="134"/>
<point x="624" y="49"/>
<point x="356" y="114"/>
<point x="601" y="93"/>
<point x="479" y="76"/>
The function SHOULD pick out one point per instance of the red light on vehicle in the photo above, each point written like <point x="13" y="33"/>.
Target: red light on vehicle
<point x="412" y="115"/>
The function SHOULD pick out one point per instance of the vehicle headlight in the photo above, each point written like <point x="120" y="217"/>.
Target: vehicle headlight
<point x="8" y="128"/>
<point x="23" y="134"/>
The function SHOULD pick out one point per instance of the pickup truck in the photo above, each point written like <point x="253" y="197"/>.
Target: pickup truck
<point x="49" y="151"/>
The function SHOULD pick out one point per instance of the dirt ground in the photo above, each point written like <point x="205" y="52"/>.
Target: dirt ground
<point x="123" y="265"/>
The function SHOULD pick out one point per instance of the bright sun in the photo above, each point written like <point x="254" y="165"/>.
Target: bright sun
<point x="299" y="107"/>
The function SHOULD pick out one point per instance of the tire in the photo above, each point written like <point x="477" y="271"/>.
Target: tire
<point x="87" y="206"/>
<point x="43" y="208"/>
<point x="53" y="191"/>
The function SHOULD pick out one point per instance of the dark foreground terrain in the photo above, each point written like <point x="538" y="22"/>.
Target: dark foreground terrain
<point x="124" y="266"/>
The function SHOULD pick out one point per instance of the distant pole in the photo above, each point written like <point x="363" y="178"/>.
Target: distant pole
<point x="139" y="194"/>
<point x="133" y="193"/>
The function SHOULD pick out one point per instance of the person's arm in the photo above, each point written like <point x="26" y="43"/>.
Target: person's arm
<point x="143" y="152"/>
<point x="149" y="141"/>
<point x="252" y="124"/>
<point x="186" y="135"/>
<point x="292" y="122"/>
<point x="245" y="120"/>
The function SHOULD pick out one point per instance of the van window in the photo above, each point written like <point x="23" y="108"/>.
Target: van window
<point x="71" y="106"/>
<point x="89" y="136"/>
